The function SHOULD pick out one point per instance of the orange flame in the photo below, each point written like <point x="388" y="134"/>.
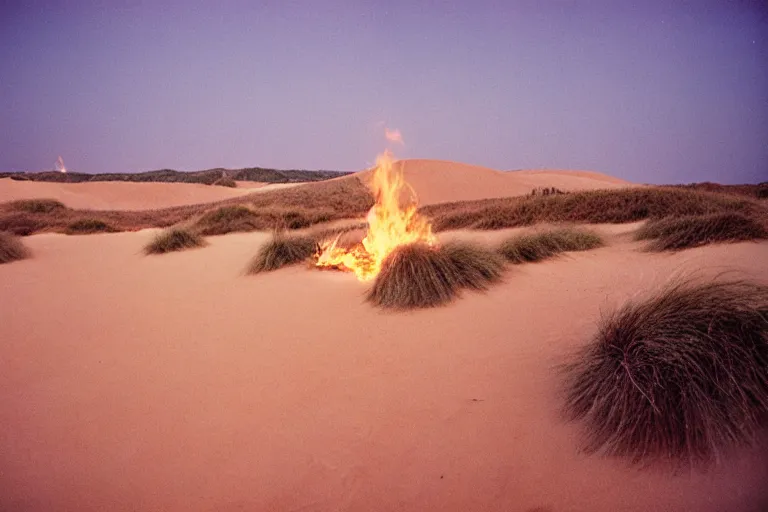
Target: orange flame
<point x="389" y="225"/>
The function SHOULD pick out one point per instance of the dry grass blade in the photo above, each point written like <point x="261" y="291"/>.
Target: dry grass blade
<point x="282" y="250"/>
<point x="174" y="239"/>
<point x="680" y="377"/>
<point x="11" y="248"/>
<point x="675" y="233"/>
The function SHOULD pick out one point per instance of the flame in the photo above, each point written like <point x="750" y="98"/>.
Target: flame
<point x="389" y="225"/>
<point x="60" y="167"/>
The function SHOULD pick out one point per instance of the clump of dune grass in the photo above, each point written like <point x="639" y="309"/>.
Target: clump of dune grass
<point x="11" y="248"/>
<point x="89" y="226"/>
<point x="37" y="205"/>
<point x="547" y="244"/>
<point x="228" y="219"/>
<point x="281" y="251"/>
<point x="174" y="239"/>
<point x="680" y="377"/>
<point x="422" y="276"/>
<point x="415" y="276"/>
<point x="226" y="181"/>
<point x="474" y="266"/>
<point x="675" y="233"/>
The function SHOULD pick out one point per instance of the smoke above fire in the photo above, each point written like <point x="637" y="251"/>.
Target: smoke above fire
<point x="393" y="135"/>
<point x="59" y="165"/>
<point x="391" y="223"/>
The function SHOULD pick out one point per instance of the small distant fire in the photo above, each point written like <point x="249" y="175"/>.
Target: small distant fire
<point x="59" y="166"/>
<point x="390" y="224"/>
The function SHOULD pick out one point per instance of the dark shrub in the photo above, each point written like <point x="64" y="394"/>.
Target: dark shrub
<point x="681" y="376"/>
<point x="174" y="239"/>
<point x="11" y="248"/>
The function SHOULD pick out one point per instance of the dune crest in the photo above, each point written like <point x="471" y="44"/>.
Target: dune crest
<point x="122" y="195"/>
<point x="441" y="181"/>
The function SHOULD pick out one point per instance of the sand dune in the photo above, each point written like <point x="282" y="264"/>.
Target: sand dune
<point x="175" y="383"/>
<point x="121" y="195"/>
<point x="434" y="181"/>
<point x="438" y="181"/>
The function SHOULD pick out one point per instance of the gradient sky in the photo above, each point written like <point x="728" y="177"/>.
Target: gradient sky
<point x="651" y="91"/>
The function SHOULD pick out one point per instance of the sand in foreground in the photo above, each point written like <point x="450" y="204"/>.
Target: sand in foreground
<point x="175" y="383"/>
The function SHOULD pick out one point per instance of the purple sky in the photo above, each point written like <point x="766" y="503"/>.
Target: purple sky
<point x="651" y="91"/>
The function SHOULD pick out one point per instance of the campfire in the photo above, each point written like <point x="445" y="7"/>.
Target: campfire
<point x="392" y="222"/>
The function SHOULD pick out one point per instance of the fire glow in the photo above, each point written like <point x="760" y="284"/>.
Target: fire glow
<point x="59" y="165"/>
<point x="390" y="225"/>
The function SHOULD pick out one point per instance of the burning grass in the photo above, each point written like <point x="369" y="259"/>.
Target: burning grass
<point x="174" y="239"/>
<point x="392" y="223"/>
<point x="680" y="377"/>
<point x="595" y="206"/>
<point x="675" y="233"/>
<point x="281" y="251"/>
<point x="534" y="247"/>
<point x="11" y="248"/>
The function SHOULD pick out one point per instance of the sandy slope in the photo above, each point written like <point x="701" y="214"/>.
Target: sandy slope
<point x="437" y="181"/>
<point x="174" y="383"/>
<point x="120" y="195"/>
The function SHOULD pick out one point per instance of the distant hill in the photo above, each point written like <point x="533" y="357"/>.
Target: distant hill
<point x="207" y="176"/>
<point x="759" y="190"/>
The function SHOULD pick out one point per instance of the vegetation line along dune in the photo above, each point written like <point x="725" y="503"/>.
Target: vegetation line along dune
<point x="306" y="205"/>
<point x="294" y="207"/>
<point x="594" y="206"/>
<point x="207" y="177"/>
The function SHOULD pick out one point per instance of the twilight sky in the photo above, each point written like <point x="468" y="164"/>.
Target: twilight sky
<point x="655" y="91"/>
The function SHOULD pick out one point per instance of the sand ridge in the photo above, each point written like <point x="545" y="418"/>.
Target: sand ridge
<point x="123" y="195"/>
<point x="434" y="181"/>
<point x="438" y="181"/>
